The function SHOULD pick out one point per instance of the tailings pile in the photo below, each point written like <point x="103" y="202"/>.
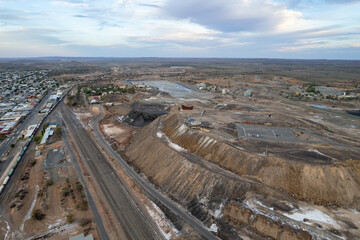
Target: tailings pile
<point x="142" y="114"/>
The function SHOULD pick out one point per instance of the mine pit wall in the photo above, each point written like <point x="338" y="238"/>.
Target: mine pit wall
<point x="174" y="174"/>
<point x="320" y="184"/>
<point x="189" y="183"/>
<point x="181" y="179"/>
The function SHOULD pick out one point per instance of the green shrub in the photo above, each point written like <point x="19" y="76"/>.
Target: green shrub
<point x="49" y="182"/>
<point x="37" y="139"/>
<point x="83" y="205"/>
<point x="79" y="187"/>
<point x="70" y="218"/>
<point x="65" y="191"/>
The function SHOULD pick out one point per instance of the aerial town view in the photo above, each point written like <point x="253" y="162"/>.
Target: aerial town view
<point x="179" y="120"/>
<point x="174" y="149"/>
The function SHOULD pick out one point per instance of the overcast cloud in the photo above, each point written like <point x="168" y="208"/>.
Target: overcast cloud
<point x="187" y="28"/>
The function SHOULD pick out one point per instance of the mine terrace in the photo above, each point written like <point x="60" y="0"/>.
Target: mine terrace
<point x="180" y="149"/>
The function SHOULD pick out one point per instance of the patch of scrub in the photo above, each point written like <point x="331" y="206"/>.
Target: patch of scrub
<point x="28" y="214"/>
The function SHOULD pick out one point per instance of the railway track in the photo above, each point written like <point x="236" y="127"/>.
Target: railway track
<point x="134" y="224"/>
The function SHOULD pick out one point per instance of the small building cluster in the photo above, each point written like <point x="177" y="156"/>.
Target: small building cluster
<point x="20" y="92"/>
<point x="48" y="133"/>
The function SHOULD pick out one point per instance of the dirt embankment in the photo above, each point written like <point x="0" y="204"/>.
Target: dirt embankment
<point x="205" y="192"/>
<point x="210" y="192"/>
<point x="322" y="184"/>
<point x="176" y="175"/>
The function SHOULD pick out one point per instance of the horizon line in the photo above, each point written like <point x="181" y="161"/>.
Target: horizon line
<point x="230" y="58"/>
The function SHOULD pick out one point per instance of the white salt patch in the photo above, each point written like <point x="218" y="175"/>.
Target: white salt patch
<point x="218" y="211"/>
<point x="56" y="224"/>
<point x="262" y="205"/>
<point x="213" y="228"/>
<point x="320" y="153"/>
<point x="175" y="146"/>
<point x="312" y="214"/>
<point x="204" y="141"/>
<point x="181" y="129"/>
<point x="169" y="142"/>
<point x="207" y="143"/>
<point x="204" y="200"/>
<point x="121" y="118"/>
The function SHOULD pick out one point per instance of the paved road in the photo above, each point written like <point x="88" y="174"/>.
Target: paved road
<point x="133" y="223"/>
<point x="5" y="196"/>
<point x="187" y="217"/>
<point x="29" y="120"/>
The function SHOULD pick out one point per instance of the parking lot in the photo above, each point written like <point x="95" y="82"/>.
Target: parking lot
<point x="55" y="158"/>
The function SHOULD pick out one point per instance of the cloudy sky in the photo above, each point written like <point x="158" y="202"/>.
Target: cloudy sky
<point x="181" y="28"/>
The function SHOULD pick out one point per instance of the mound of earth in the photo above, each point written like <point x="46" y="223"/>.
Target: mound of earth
<point x="143" y="114"/>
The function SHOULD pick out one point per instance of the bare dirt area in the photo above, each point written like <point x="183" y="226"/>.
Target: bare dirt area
<point x="309" y="167"/>
<point x="120" y="133"/>
<point x="42" y="206"/>
<point x="251" y="153"/>
<point x="84" y="115"/>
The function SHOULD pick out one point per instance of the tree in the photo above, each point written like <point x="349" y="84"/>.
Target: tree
<point x="49" y="182"/>
<point x="79" y="187"/>
<point x="65" y="191"/>
<point x="37" y="139"/>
